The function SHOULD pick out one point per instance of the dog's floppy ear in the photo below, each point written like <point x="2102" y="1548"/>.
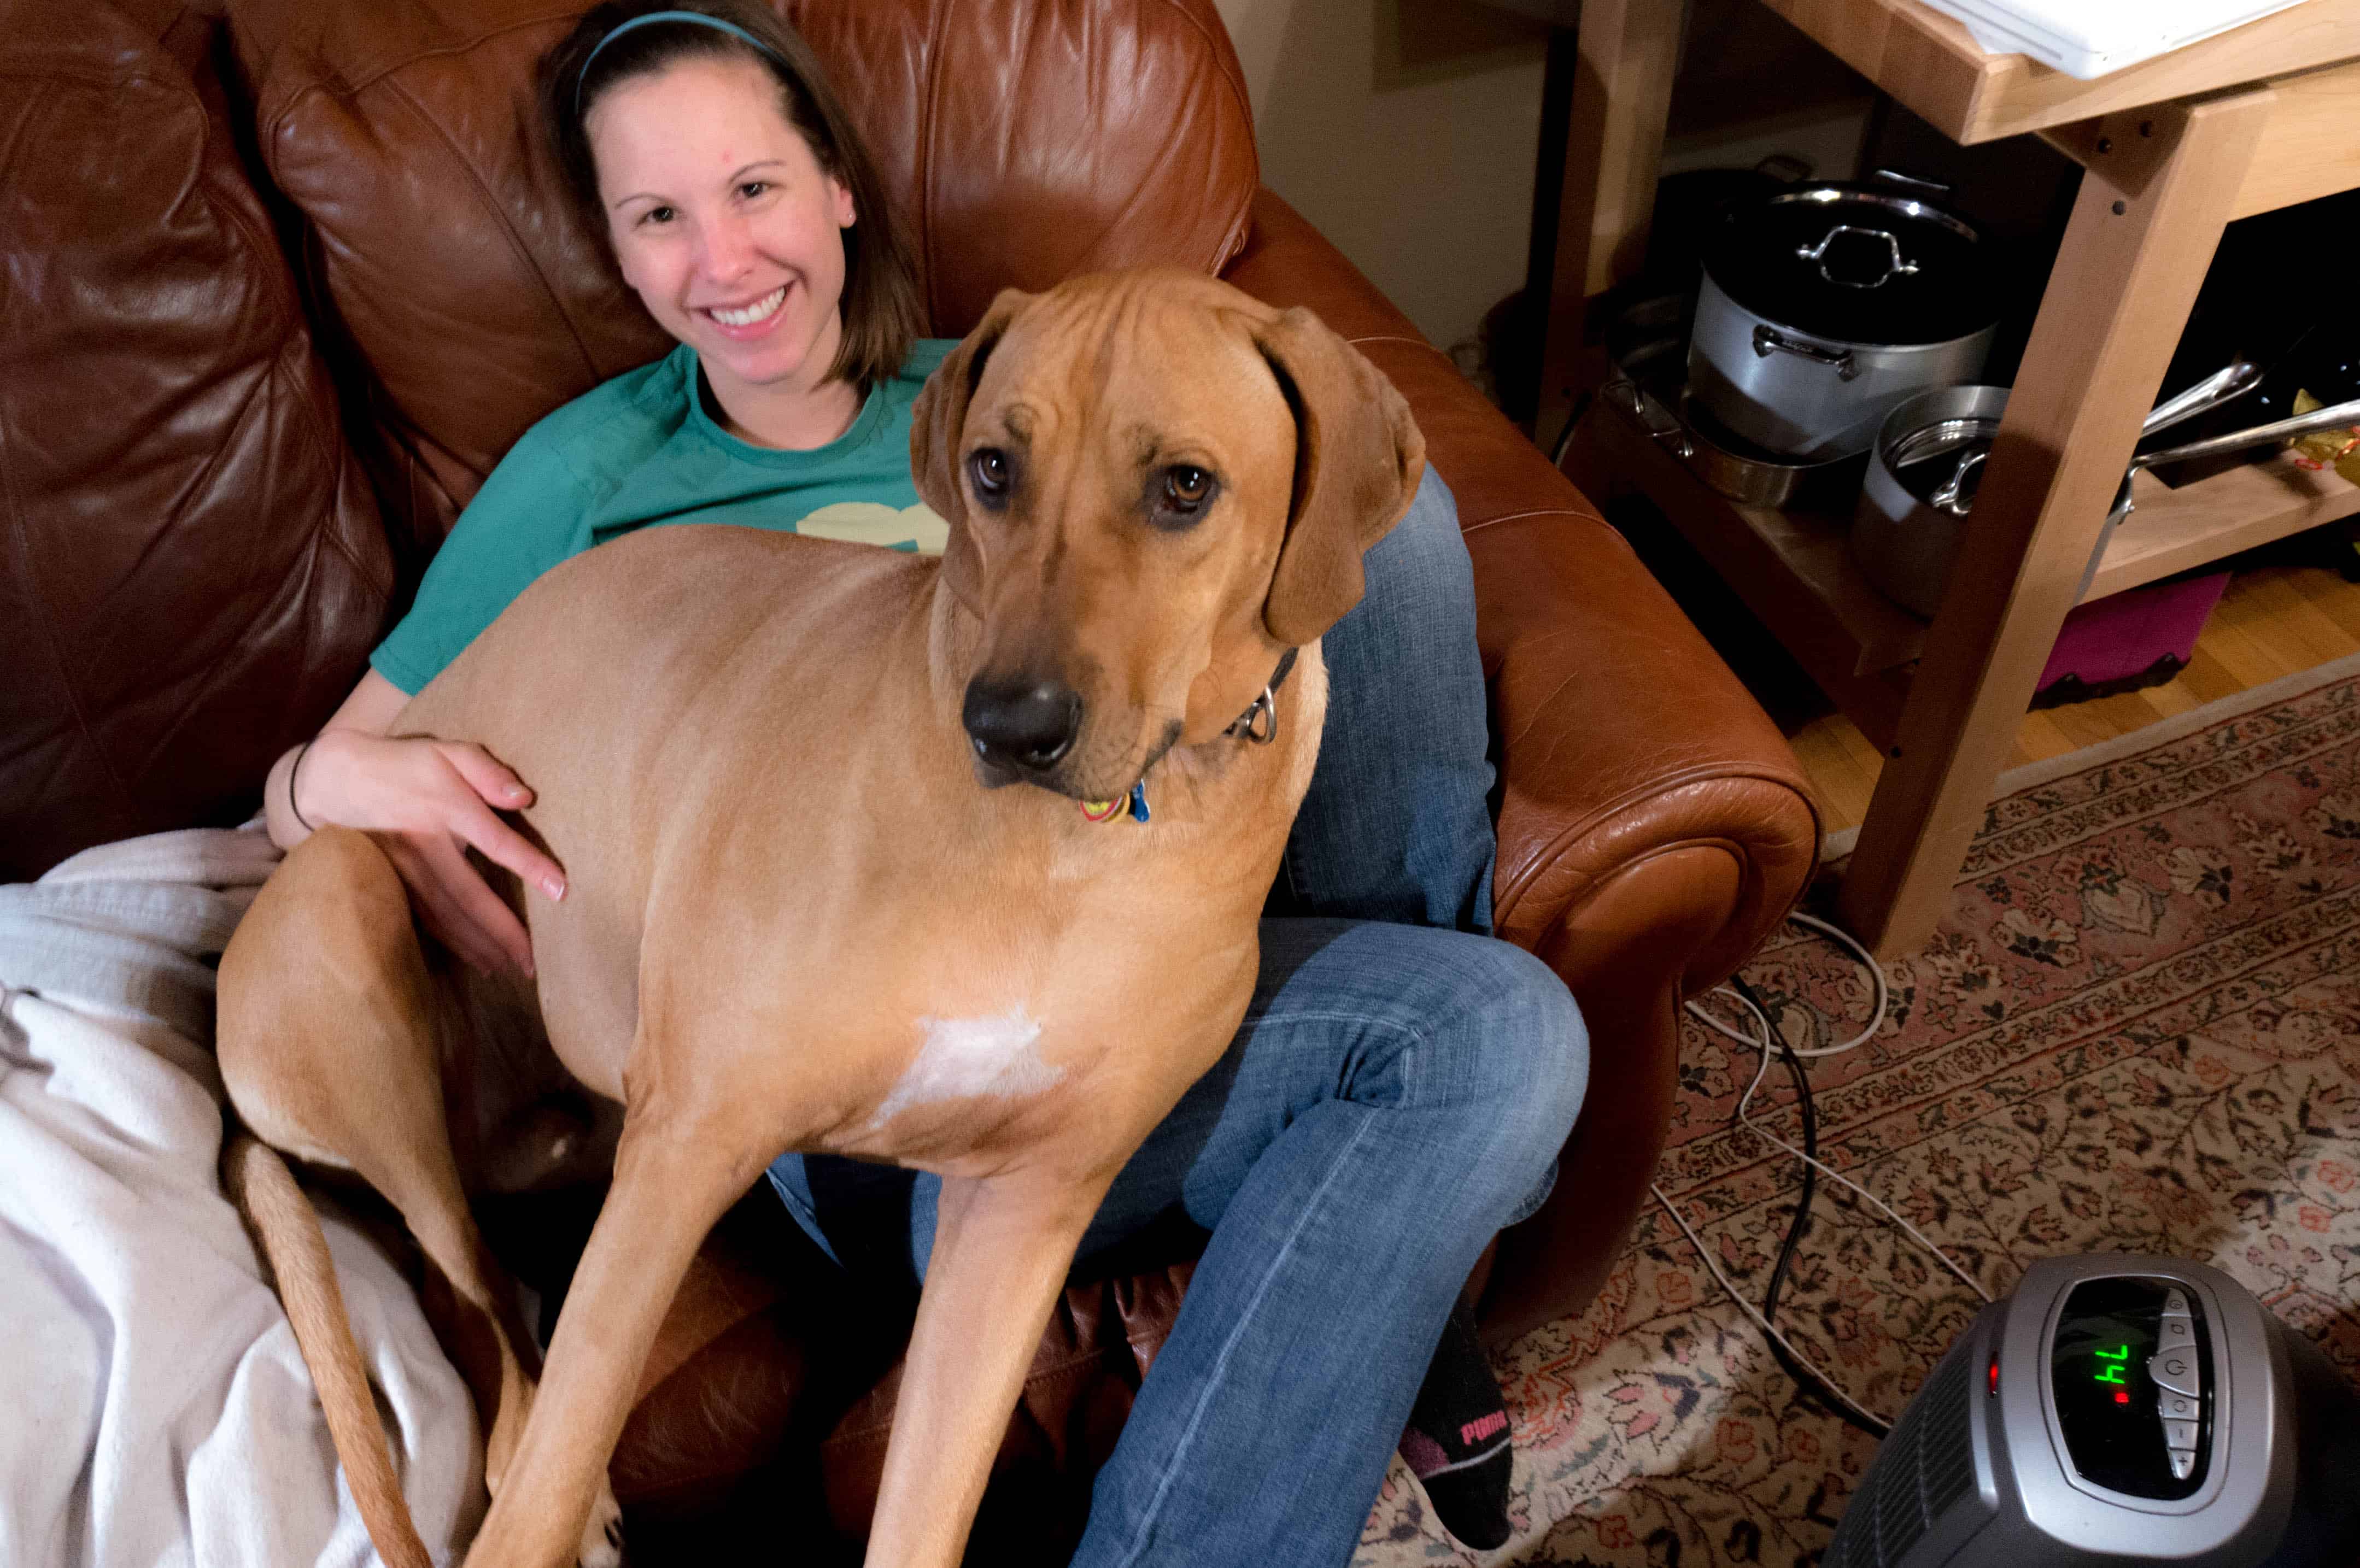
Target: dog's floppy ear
<point x="936" y="419"/>
<point x="1358" y="456"/>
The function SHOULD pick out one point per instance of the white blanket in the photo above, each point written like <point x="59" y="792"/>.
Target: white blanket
<point x="154" y="1410"/>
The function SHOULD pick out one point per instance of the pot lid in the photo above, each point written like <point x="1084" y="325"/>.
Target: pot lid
<point x="1940" y="461"/>
<point x="1855" y="264"/>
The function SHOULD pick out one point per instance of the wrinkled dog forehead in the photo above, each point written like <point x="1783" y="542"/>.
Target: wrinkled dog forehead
<point x="1153" y="368"/>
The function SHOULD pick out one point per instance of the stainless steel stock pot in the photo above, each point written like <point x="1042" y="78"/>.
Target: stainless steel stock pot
<point x="1825" y="306"/>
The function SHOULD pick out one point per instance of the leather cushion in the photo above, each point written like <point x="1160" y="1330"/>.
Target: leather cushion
<point x="195" y="566"/>
<point x="1023" y="142"/>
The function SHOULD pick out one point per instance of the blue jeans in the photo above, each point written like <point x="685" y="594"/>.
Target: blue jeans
<point x="1396" y="1093"/>
<point x="1398" y="824"/>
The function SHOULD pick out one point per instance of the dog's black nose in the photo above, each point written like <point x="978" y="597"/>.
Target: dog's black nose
<point x="1021" y="724"/>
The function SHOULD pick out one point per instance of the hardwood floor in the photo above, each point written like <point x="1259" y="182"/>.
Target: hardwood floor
<point x="2273" y="621"/>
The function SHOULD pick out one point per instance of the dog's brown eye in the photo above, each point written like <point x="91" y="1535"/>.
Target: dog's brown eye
<point x="1186" y="487"/>
<point x="989" y="469"/>
<point x="1175" y="497"/>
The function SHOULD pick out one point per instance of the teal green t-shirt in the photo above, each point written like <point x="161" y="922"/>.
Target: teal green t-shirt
<point x="640" y="451"/>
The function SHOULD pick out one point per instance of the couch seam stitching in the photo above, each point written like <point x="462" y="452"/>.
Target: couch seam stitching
<point x="351" y="88"/>
<point x="507" y="226"/>
<point x="1233" y="239"/>
<point x="929" y="109"/>
<point x="1543" y="512"/>
<point x="1688" y="779"/>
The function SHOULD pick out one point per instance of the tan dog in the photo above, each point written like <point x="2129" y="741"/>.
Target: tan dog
<point x="801" y="915"/>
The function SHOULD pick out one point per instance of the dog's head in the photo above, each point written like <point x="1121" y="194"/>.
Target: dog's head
<point x="1155" y="484"/>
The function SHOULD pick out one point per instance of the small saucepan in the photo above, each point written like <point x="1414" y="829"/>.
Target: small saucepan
<point x="1922" y="473"/>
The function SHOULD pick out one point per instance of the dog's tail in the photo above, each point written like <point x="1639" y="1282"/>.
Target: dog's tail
<point x="288" y="1229"/>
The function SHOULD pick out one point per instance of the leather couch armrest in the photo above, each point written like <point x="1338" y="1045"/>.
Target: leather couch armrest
<point x="1620" y="733"/>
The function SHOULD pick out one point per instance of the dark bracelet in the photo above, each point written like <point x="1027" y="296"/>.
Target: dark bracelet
<point x="291" y="772"/>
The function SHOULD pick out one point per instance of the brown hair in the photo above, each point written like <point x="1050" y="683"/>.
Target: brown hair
<point x="881" y="310"/>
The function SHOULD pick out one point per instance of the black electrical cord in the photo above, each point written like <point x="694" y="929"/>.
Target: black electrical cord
<point x="1809" y="1381"/>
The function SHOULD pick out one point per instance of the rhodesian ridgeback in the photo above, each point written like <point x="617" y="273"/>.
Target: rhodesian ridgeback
<point x="803" y="913"/>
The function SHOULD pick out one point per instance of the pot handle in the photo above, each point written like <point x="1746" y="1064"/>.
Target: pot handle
<point x="2335" y="416"/>
<point x="1659" y="425"/>
<point x="1770" y="340"/>
<point x="1946" y="495"/>
<point x="1894" y="265"/>
<point x="1936" y="188"/>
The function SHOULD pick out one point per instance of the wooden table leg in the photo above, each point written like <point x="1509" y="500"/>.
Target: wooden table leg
<point x="2143" y="229"/>
<point x="1630" y="50"/>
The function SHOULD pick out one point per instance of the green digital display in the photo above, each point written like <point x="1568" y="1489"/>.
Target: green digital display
<point x="2108" y="1404"/>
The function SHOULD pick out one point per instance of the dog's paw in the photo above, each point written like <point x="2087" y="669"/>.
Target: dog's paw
<point x="602" y="1538"/>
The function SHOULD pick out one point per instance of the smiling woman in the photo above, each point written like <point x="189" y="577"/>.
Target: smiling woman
<point x="706" y="146"/>
<point x="731" y="232"/>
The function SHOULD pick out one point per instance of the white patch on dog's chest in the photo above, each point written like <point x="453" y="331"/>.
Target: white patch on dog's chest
<point x="965" y="1059"/>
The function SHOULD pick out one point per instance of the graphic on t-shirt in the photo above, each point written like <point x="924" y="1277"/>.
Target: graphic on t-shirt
<point x="873" y="522"/>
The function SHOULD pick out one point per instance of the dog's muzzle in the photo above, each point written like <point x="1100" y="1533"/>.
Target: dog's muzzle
<point x="1021" y="729"/>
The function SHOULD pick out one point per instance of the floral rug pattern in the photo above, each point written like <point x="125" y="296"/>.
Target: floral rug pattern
<point x="2139" y="1030"/>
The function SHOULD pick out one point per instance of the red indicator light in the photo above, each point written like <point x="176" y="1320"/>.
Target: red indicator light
<point x="1991" y="1380"/>
<point x="2122" y="1396"/>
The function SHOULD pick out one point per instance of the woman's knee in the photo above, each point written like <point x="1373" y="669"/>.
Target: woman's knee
<point x="1532" y="1056"/>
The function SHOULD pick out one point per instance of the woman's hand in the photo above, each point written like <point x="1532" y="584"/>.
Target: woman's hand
<point x="426" y="801"/>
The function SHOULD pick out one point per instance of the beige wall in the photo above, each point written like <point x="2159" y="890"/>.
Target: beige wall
<point x="1407" y="129"/>
<point x="1409" y="141"/>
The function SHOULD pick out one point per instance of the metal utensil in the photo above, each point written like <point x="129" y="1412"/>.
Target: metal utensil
<point x="2235" y="441"/>
<point x="1904" y="536"/>
<point x="2233" y="380"/>
<point x="2318" y="420"/>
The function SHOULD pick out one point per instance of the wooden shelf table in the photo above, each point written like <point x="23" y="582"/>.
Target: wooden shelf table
<point x="2172" y="150"/>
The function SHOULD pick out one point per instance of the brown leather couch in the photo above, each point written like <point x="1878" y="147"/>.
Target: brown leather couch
<point x="285" y="278"/>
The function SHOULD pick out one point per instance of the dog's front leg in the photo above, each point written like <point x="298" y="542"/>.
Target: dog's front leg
<point x="673" y="1179"/>
<point x="1003" y="1248"/>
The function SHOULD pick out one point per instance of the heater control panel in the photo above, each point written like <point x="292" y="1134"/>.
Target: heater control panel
<point x="2130" y="1366"/>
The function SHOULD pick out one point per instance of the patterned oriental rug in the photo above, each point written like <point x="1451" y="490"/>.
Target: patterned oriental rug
<point x="2137" y="1031"/>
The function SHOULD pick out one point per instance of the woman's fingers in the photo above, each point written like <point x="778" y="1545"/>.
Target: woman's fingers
<point x="490" y="777"/>
<point x="484" y="908"/>
<point x="500" y="789"/>
<point x="427" y="800"/>
<point x="439" y="908"/>
<point x="470" y="900"/>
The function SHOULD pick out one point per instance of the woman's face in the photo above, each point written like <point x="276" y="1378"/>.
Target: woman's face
<point x="724" y="221"/>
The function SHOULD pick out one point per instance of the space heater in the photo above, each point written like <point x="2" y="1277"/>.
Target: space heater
<point x="2117" y="1411"/>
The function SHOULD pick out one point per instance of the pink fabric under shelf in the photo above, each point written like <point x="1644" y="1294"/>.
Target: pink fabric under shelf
<point x="2123" y="641"/>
